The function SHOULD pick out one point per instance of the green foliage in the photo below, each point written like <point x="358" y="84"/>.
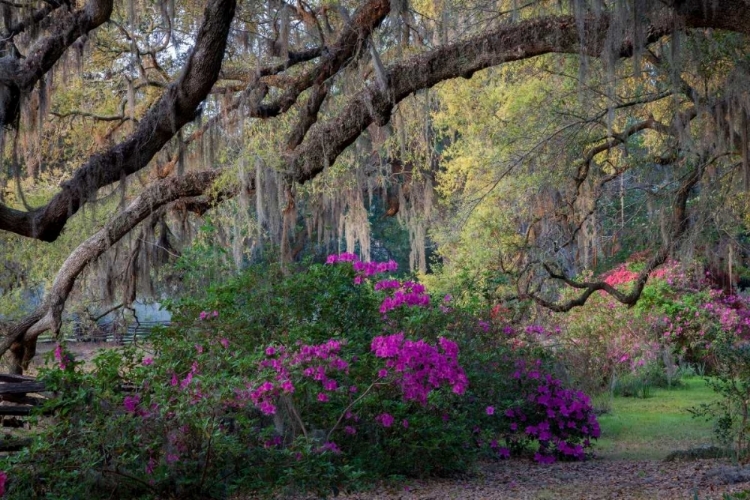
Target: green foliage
<point x="185" y="416"/>
<point x="731" y="413"/>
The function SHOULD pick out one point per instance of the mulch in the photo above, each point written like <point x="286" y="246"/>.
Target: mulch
<point x="593" y="479"/>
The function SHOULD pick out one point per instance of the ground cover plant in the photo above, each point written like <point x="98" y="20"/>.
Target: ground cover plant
<point x="337" y="375"/>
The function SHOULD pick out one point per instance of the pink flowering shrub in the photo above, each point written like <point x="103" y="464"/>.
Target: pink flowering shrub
<point x="674" y="326"/>
<point x="300" y="381"/>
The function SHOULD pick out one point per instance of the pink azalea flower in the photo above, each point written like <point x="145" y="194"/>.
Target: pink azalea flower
<point x="385" y="419"/>
<point x="131" y="403"/>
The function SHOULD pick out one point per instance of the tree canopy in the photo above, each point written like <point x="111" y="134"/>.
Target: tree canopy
<point x="557" y="135"/>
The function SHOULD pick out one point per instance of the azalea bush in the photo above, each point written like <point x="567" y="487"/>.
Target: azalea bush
<point x="561" y="420"/>
<point x="606" y="345"/>
<point x="603" y="343"/>
<point x="313" y="380"/>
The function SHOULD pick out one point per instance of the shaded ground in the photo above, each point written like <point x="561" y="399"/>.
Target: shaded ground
<point x="595" y="479"/>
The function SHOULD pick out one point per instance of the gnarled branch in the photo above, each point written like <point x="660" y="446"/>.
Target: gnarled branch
<point x="176" y="107"/>
<point x="21" y="336"/>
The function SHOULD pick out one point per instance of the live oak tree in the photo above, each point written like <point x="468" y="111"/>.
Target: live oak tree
<point x="303" y="110"/>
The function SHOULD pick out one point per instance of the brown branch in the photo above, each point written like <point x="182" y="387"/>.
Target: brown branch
<point x="351" y="41"/>
<point x="610" y="142"/>
<point x="515" y="42"/>
<point x="679" y="227"/>
<point x="36" y="17"/>
<point x="308" y="116"/>
<point x="333" y="58"/>
<point x="22" y="335"/>
<point x="175" y="108"/>
<point x="86" y="114"/>
<point x="47" y="51"/>
<point x="293" y="58"/>
<point x="508" y="43"/>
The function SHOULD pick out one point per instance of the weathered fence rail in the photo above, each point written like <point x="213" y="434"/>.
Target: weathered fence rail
<point x="15" y="401"/>
<point x="111" y="332"/>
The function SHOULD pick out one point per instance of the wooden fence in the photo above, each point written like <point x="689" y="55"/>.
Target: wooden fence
<point x="19" y="395"/>
<point x="111" y="332"/>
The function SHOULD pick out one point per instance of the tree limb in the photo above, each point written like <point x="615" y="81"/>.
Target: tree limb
<point x="374" y="104"/>
<point x="22" y="335"/>
<point x="175" y="108"/>
<point x="679" y="226"/>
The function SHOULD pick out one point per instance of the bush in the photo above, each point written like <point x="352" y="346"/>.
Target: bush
<point x="307" y="381"/>
<point x="731" y="414"/>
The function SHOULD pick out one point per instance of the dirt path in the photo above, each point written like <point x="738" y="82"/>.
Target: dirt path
<point x="594" y="479"/>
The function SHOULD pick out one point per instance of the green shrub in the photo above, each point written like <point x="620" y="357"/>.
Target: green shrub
<point x="312" y="380"/>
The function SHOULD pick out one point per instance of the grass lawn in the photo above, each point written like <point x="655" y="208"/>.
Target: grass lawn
<point x="652" y="428"/>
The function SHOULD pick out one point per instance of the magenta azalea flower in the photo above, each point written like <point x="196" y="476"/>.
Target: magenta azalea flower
<point x="385" y="419"/>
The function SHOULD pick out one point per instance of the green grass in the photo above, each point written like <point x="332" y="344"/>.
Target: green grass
<point x="638" y="429"/>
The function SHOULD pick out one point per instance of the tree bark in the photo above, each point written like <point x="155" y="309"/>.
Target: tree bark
<point x="20" y="338"/>
<point x="18" y="76"/>
<point x="325" y="141"/>
<point x="176" y="107"/>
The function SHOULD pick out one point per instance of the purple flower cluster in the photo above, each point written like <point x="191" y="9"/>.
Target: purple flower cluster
<point x="314" y="362"/>
<point x="385" y="419"/>
<point x="536" y="330"/>
<point x="331" y="447"/>
<point x="364" y="269"/>
<point x="408" y="294"/>
<point x="63" y="358"/>
<point x="372" y="268"/>
<point x="204" y="315"/>
<point x="342" y="257"/>
<point x="131" y="403"/>
<point x="561" y="420"/>
<point x="419" y="366"/>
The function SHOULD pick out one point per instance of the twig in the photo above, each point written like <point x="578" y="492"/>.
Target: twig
<point x="328" y="437"/>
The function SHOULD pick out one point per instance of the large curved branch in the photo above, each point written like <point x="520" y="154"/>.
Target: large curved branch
<point x="23" y="334"/>
<point x="176" y="107"/>
<point x="332" y="59"/>
<point x="325" y="141"/>
<point x="47" y="51"/>
<point x="679" y="226"/>
<point x="35" y="17"/>
<point x="589" y="288"/>
<point x="523" y="40"/>
<point x="520" y="41"/>
<point x="351" y="41"/>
